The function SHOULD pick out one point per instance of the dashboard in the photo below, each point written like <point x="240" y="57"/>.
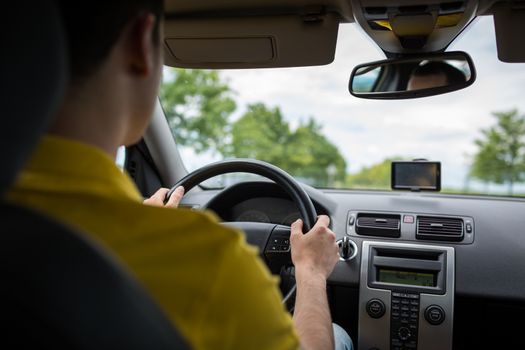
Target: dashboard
<point x="265" y="209"/>
<point x="498" y="224"/>
<point x="470" y="274"/>
<point x="257" y="202"/>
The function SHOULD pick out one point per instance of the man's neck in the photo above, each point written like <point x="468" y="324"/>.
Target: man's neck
<point x="93" y="117"/>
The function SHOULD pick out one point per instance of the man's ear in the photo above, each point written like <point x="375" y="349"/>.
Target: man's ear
<point x="140" y="45"/>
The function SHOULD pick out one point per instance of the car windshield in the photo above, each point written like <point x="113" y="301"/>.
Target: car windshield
<point x="304" y="121"/>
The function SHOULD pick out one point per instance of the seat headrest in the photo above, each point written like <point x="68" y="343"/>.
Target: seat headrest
<point x="33" y="75"/>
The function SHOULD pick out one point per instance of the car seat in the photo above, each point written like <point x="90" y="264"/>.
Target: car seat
<point x="58" y="288"/>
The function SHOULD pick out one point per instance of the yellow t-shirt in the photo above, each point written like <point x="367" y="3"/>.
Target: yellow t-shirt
<point x="211" y="284"/>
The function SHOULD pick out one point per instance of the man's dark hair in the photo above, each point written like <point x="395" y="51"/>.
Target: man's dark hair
<point x="454" y="75"/>
<point x="93" y="27"/>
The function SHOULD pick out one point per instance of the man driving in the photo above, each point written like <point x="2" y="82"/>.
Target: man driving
<point x="434" y="74"/>
<point x="211" y="284"/>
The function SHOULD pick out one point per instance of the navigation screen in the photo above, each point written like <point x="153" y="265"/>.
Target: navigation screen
<point x="412" y="278"/>
<point x="416" y="176"/>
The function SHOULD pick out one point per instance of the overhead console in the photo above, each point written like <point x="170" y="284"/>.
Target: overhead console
<point x="406" y="296"/>
<point x="411" y="26"/>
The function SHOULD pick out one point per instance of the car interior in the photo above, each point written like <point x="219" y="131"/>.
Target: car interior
<point x="418" y="269"/>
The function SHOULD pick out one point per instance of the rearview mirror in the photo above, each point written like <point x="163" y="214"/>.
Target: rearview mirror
<point x="413" y="76"/>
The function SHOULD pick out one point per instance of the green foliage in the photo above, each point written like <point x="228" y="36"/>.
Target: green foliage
<point x="376" y="176"/>
<point x="262" y="133"/>
<point x="501" y="151"/>
<point x="315" y="157"/>
<point x="198" y="105"/>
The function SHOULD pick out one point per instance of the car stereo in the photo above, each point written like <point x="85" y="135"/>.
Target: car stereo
<point x="406" y="296"/>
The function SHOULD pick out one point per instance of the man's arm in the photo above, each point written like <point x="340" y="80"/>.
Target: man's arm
<point x="314" y="255"/>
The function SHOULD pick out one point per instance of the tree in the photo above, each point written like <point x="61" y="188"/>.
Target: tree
<point x="264" y="134"/>
<point x="312" y="156"/>
<point x="198" y="105"/>
<point x="377" y="176"/>
<point x="260" y="133"/>
<point x="501" y="151"/>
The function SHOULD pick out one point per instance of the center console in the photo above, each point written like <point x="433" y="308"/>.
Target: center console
<point x="406" y="296"/>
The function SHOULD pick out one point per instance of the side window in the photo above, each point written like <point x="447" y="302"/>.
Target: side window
<point x="121" y="157"/>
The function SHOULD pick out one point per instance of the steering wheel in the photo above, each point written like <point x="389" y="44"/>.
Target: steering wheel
<point x="272" y="240"/>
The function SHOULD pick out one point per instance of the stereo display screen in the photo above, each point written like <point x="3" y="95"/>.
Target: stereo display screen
<point x="412" y="278"/>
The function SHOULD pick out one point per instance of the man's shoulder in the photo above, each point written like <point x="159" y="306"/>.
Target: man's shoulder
<point x="201" y="227"/>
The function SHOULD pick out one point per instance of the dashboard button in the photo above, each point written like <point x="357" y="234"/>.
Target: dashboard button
<point x="396" y="342"/>
<point x="408" y="219"/>
<point x="434" y="315"/>
<point x="375" y="308"/>
<point x="404" y="333"/>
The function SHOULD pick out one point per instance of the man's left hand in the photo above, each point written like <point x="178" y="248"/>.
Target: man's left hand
<point x="157" y="200"/>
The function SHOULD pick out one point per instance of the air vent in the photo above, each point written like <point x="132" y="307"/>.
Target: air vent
<point x="383" y="225"/>
<point x="439" y="228"/>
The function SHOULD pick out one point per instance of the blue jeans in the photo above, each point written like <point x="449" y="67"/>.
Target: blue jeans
<point x="341" y="339"/>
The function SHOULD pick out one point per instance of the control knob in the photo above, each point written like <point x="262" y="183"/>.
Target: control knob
<point x="347" y="249"/>
<point x="435" y="315"/>
<point x="375" y="308"/>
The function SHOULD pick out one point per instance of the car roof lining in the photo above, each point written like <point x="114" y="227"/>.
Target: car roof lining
<point x="232" y="34"/>
<point x="230" y="8"/>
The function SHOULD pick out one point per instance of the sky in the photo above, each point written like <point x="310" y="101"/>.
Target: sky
<point x="440" y="128"/>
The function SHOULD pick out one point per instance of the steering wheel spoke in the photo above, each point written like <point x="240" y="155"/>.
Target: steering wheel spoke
<point x="256" y="233"/>
<point x="272" y="241"/>
<point x="277" y="252"/>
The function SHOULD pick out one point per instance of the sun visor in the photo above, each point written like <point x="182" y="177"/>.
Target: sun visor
<point x="251" y="42"/>
<point x="509" y="25"/>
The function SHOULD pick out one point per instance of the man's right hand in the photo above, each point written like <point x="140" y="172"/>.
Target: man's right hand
<point x="314" y="256"/>
<point x="316" y="252"/>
